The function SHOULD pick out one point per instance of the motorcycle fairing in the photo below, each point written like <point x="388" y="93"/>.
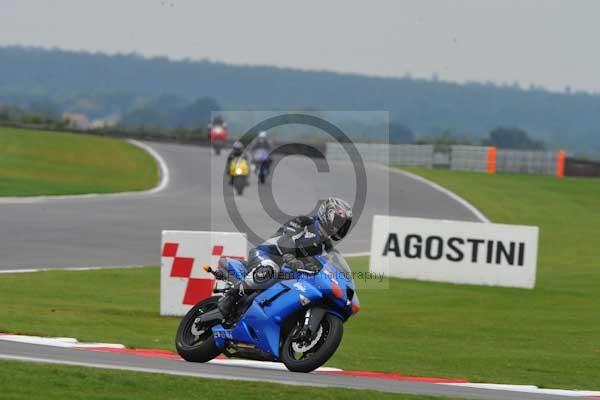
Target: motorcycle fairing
<point x="233" y="269"/>
<point x="261" y="323"/>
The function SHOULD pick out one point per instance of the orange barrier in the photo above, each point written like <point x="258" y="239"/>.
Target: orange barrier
<point x="491" y="160"/>
<point x="560" y="163"/>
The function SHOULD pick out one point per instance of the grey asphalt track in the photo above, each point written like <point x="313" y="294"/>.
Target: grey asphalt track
<point x="125" y="230"/>
<point x="40" y="353"/>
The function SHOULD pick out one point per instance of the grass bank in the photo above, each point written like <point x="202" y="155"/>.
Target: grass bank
<point x="36" y="163"/>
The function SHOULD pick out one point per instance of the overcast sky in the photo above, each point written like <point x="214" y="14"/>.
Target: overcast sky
<point x="547" y="43"/>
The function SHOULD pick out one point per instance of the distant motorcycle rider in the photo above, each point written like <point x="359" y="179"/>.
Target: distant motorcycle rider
<point x="261" y="155"/>
<point x="216" y="121"/>
<point x="237" y="151"/>
<point x="293" y="245"/>
<point x="261" y="142"/>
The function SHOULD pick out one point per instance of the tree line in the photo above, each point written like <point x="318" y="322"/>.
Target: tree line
<point x="509" y="138"/>
<point x="161" y="92"/>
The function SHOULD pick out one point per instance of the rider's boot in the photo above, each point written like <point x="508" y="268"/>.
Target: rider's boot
<point x="229" y="300"/>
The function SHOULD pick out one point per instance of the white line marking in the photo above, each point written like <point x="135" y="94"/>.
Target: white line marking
<point x="478" y="214"/>
<point x="207" y="375"/>
<point x="110" y="366"/>
<point x="236" y="362"/>
<point x="165" y="178"/>
<point x="527" y="389"/>
<point x="165" y="174"/>
<point x="57" y="341"/>
<point x="359" y="254"/>
<point x="25" y="270"/>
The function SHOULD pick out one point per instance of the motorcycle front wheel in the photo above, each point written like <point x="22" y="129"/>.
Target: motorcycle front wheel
<point x="309" y="354"/>
<point x="239" y="183"/>
<point x="262" y="174"/>
<point x="196" y="343"/>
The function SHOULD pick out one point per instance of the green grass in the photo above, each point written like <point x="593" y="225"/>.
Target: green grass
<point x="24" y="381"/>
<point x="52" y="163"/>
<point x="549" y="336"/>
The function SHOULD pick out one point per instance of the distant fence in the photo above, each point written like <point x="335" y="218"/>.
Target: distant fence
<point x="403" y="154"/>
<point x="470" y="158"/>
<point x="477" y="158"/>
<point x="527" y="162"/>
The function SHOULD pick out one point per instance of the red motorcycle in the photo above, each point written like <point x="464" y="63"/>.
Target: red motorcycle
<point x="218" y="137"/>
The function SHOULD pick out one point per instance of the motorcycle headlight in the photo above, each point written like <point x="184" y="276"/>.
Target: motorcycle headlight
<point x="238" y="170"/>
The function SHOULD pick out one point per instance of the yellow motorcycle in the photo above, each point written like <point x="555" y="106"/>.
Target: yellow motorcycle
<point x="239" y="169"/>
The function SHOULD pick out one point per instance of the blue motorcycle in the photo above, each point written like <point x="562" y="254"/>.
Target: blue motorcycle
<point x="297" y="321"/>
<point x="262" y="162"/>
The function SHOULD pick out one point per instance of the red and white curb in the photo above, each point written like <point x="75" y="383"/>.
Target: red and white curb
<point x="166" y="354"/>
<point x="153" y="353"/>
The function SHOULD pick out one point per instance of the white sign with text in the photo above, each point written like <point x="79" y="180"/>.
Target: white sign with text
<point x="454" y="251"/>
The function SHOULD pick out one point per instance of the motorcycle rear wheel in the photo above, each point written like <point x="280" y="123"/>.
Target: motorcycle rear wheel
<point x="332" y="330"/>
<point x="200" y="348"/>
<point x="239" y="183"/>
<point x="262" y="173"/>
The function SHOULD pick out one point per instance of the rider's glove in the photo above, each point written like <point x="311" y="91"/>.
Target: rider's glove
<point x="311" y="268"/>
<point x="292" y="262"/>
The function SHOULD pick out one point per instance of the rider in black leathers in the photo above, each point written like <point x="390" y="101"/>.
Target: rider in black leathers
<point x="236" y="152"/>
<point x="262" y="143"/>
<point x="292" y="245"/>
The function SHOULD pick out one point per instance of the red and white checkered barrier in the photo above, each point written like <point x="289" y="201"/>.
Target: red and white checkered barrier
<point x="183" y="282"/>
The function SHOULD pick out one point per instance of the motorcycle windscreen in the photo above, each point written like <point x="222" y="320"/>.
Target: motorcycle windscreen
<point x="337" y="261"/>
